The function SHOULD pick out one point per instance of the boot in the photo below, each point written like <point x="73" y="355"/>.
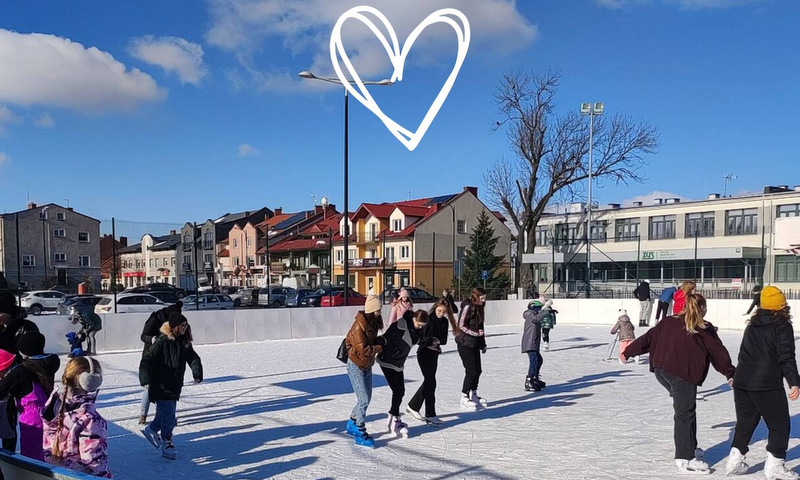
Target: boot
<point x="528" y="385"/>
<point x="537" y="382"/>
<point x="735" y="464"/>
<point x="775" y="469"/>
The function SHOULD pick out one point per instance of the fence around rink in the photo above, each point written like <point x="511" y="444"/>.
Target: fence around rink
<point x="16" y="467"/>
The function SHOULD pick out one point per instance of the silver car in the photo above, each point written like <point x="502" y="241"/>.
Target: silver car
<point x="38" y="301"/>
<point x="274" y="296"/>
<point x="208" y="301"/>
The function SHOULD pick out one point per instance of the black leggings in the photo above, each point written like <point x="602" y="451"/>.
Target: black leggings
<point x="471" y="358"/>
<point x="397" y="383"/>
<point x="546" y="335"/>
<point x="428" y="363"/>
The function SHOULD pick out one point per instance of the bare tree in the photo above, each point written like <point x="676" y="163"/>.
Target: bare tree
<point x="551" y="153"/>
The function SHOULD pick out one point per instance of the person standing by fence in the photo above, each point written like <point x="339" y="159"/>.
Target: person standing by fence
<point x="642" y="293"/>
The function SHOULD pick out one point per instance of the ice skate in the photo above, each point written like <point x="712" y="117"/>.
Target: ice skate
<point x="168" y="450"/>
<point x="528" y="384"/>
<point x="699" y="453"/>
<point x="546" y="346"/>
<point x="400" y="428"/>
<point x="735" y="464"/>
<point x="414" y="413"/>
<point x="478" y="401"/>
<point x="538" y="382"/>
<point x="351" y="428"/>
<point x="466" y="403"/>
<point x="621" y="362"/>
<point x="363" y="439"/>
<point x="692" y="467"/>
<point x="775" y="469"/>
<point x="434" y="421"/>
<point x="153" y="437"/>
<point x="390" y="424"/>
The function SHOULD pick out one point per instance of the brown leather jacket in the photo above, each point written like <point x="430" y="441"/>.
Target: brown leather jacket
<point x="362" y="341"/>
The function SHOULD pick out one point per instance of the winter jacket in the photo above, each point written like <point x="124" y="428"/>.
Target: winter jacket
<point x="9" y="334"/>
<point x="81" y="435"/>
<point x="400" y="337"/>
<point x="549" y="320"/>
<point x="681" y="353"/>
<point x="363" y="342"/>
<point x="471" y="325"/>
<point x="666" y="294"/>
<point x="398" y="309"/>
<point x="624" y="329"/>
<point x="756" y="303"/>
<point x="680" y="302"/>
<point x="19" y="380"/>
<point x="434" y="334"/>
<point x="642" y="292"/>
<point x="163" y="367"/>
<point x="532" y="331"/>
<point x="767" y="355"/>
<point x="152" y="328"/>
<point x="91" y="322"/>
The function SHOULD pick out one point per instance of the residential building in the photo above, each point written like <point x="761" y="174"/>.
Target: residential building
<point x="307" y="255"/>
<point x="58" y="247"/>
<point x="107" y="250"/>
<point x="154" y="259"/>
<point x="718" y="242"/>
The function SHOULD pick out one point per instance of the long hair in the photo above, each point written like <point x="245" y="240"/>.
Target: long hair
<point x="782" y="315"/>
<point x="474" y="297"/>
<point x="450" y="317"/>
<point x="694" y="312"/>
<point x="69" y="379"/>
<point x="688" y="287"/>
<point x="45" y="380"/>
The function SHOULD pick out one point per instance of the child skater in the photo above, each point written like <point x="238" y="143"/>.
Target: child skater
<point x="400" y="337"/>
<point x="624" y="330"/>
<point x="161" y="371"/>
<point x="400" y="306"/>
<point x="548" y="322"/>
<point x="766" y="358"/>
<point x="531" y="340"/>
<point x="74" y="433"/>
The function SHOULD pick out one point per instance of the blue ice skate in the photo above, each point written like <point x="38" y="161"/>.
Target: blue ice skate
<point x="363" y="439"/>
<point x="351" y="428"/>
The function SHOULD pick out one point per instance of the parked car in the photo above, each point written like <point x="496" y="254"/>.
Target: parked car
<point x="249" y="297"/>
<point x="275" y="296"/>
<point x="165" y="296"/>
<point x="129" y="303"/>
<point x="293" y="299"/>
<point x="417" y="295"/>
<point x="336" y="299"/>
<point x="71" y="304"/>
<point x="158" y="286"/>
<point x="39" y="301"/>
<point x="315" y="299"/>
<point x="235" y="293"/>
<point x="208" y="301"/>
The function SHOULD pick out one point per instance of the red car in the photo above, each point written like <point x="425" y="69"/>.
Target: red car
<point x="336" y="299"/>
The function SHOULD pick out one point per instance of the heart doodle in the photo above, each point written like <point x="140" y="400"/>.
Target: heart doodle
<point x="398" y="57"/>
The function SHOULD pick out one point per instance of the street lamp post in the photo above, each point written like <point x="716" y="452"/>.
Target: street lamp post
<point x="310" y="76"/>
<point x="43" y="216"/>
<point x="590" y="109"/>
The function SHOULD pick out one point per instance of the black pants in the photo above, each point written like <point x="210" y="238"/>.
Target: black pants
<point x="428" y="363"/>
<point x="770" y="405"/>
<point x="546" y="335"/>
<point x="684" y="402"/>
<point x="397" y="383"/>
<point x="662" y="310"/>
<point x="471" y="358"/>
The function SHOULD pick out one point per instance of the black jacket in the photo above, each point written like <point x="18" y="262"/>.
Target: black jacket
<point x="642" y="292"/>
<point x="434" y="333"/>
<point x="9" y="335"/>
<point x="767" y="355"/>
<point x="400" y="337"/>
<point x="164" y="365"/>
<point x="18" y="382"/>
<point x="152" y="328"/>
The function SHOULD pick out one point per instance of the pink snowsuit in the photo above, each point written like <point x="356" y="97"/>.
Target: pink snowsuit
<point x="31" y="429"/>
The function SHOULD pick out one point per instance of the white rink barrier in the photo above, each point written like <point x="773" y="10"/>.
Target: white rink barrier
<point x="16" y="467"/>
<point x="122" y="331"/>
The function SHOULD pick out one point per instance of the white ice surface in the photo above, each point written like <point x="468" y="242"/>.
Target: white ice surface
<point x="278" y="409"/>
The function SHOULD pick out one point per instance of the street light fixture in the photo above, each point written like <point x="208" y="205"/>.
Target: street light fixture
<point x="590" y="109"/>
<point x="386" y="82"/>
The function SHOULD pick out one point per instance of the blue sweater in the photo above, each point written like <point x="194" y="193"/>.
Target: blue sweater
<point x="666" y="295"/>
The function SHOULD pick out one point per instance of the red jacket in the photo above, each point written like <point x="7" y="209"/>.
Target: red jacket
<point x="680" y="302"/>
<point x="681" y="353"/>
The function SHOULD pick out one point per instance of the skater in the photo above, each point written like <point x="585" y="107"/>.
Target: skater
<point x="756" y="299"/>
<point x="74" y="433"/>
<point x="663" y="302"/>
<point x="624" y="331"/>
<point x="687" y="288"/>
<point x="150" y="333"/>
<point x="363" y="345"/>
<point x="531" y="339"/>
<point x="431" y="338"/>
<point x="400" y="305"/>
<point x="400" y="337"/>
<point x="29" y="384"/>
<point x="471" y="343"/>
<point x="161" y="371"/>
<point x="548" y="323"/>
<point x="91" y="323"/>
<point x="699" y="345"/>
<point x="642" y="293"/>
<point x="766" y="358"/>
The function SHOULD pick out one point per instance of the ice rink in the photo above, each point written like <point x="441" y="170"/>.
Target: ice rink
<point x="277" y="410"/>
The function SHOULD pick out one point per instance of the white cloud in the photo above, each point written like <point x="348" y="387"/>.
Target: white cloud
<point x="304" y="27"/>
<point x="42" y="69"/>
<point x="684" y="4"/>
<point x="650" y="198"/>
<point x="7" y="117"/>
<point x="247" y="150"/>
<point x="173" y="54"/>
<point x="4" y="158"/>
<point x="44" y="121"/>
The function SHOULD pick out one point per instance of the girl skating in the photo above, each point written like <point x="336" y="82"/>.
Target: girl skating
<point x="624" y="331"/>
<point x="471" y="343"/>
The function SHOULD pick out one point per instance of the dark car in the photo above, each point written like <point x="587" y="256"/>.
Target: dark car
<point x="165" y="296"/>
<point x="315" y="299"/>
<point x="417" y="295"/>
<point x="150" y="287"/>
<point x="249" y="297"/>
<point x="81" y="303"/>
<point x="294" y="298"/>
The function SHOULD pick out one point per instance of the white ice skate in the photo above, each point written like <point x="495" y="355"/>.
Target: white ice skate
<point x="546" y="346"/>
<point x="692" y="467"/>
<point x="621" y="362"/>
<point x="478" y="401"/>
<point x="433" y="421"/>
<point x="414" y="413"/>
<point x="699" y="453"/>
<point x="775" y="469"/>
<point x="396" y="427"/>
<point x="735" y="464"/>
<point x="467" y="403"/>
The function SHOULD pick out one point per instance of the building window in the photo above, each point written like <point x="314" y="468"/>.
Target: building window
<point x="662" y="227"/>
<point x="339" y="255"/>
<point x="461" y="253"/>
<point x="566" y="234"/>
<point x="60" y="216"/>
<point x="397" y="225"/>
<point x="249" y="242"/>
<point x="627" y="229"/>
<point x="173" y="261"/>
<point x="59" y="232"/>
<point x="700" y="225"/>
<point x="187" y="260"/>
<point x="461" y="226"/>
<point x="208" y="258"/>
<point x="235" y="261"/>
<point x="84" y="261"/>
<point x="351" y="253"/>
<point x="741" y="222"/>
<point x="787" y="268"/>
<point x="83" y="236"/>
<point x="42" y="215"/>
<point x="60" y="257"/>
<point x="598" y="231"/>
<point x="152" y="263"/>
<point x="404" y="252"/>
<point x="789" y="210"/>
<point x="390" y="253"/>
<point x="28" y="261"/>
<point x="543" y="235"/>
<point x="235" y="243"/>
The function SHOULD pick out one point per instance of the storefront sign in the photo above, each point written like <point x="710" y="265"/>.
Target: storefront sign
<point x="659" y="255"/>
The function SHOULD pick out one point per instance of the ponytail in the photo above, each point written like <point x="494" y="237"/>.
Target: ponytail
<point x="693" y="313"/>
<point x="56" y="450"/>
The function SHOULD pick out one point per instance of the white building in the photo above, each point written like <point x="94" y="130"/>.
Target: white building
<point x="152" y="260"/>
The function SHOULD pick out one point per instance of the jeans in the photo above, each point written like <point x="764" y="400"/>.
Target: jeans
<point x="684" y="402"/>
<point x="428" y="364"/>
<point x="770" y="405"/>
<point x="361" y="380"/>
<point x="662" y="310"/>
<point x="535" y="364"/>
<point x="397" y="383"/>
<point x="165" y="418"/>
<point x="471" y="359"/>
<point x="145" y="407"/>
<point x="645" y="309"/>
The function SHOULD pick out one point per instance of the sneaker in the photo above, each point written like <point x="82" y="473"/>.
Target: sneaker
<point x="142" y="419"/>
<point x="735" y="464"/>
<point x="478" y="401"/>
<point x="467" y="404"/>
<point x="363" y="439"/>
<point x="434" y="420"/>
<point x="168" y="450"/>
<point x="775" y="469"/>
<point x="692" y="467"/>
<point x="414" y="413"/>
<point x="153" y="437"/>
<point x="351" y="428"/>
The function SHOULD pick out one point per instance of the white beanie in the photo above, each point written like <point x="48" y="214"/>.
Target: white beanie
<point x="623" y="312"/>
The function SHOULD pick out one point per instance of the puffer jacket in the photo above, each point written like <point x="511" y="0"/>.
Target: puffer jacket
<point x="680" y="302"/>
<point x="624" y="329"/>
<point x="363" y="342"/>
<point x="163" y="367"/>
<point x="81" y="435"/>
<point x="767" y="355"/>
<point x="532" y="332"/>
<point x="399" y="309"/>
<point x="400" y="337"/>
<point x="152" y="328"/>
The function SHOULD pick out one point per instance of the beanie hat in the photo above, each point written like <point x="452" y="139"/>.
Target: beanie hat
<point x="8" y="304"/>
<point x="403" y="293"/>
<point x="176" y="319"/>
<point x="372" y="304"/>
<point x="176" y="307"/>
<point x="772" y="298"/>
<point x="623" y="312"/>
<point x="6" y="360"/>
<point x="31" y="344"/>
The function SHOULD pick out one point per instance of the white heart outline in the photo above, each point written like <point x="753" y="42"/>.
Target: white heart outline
<point x="398" y="59"/>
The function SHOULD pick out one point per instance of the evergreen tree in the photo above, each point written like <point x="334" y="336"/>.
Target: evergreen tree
<point x="480" y="256"/>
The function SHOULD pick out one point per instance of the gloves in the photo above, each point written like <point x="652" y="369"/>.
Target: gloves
<point x="483" y="349"/>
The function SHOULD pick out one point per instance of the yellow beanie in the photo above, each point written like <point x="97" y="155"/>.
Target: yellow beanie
<point x="372" y="304"/>
<point x="772" y="298"/>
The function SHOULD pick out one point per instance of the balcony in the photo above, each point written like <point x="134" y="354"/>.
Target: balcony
<point x="365" y="262"/>
<point x="367" y="237"/>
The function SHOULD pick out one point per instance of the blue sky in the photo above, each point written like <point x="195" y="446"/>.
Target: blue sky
<point x="189" y="109"/>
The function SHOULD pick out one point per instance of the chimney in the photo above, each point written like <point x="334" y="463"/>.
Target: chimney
<point x="713" y="196"/>
<point x="123" y="241"/>
<point x="797" y="188"/>
<point x="658" y="201"/>
<point x="318" y="209"/>
<point x="70" y="209"/>
<point x="474" y="190"/>
<point x="614" y="206"/>
<point x="637" y="204"/>
<point x="676" y="200"/>
<point x="31" y="206"/>
<point x="783" y="187"/>
<point x="279" y="211"/>
<point x="172" y="232"/>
